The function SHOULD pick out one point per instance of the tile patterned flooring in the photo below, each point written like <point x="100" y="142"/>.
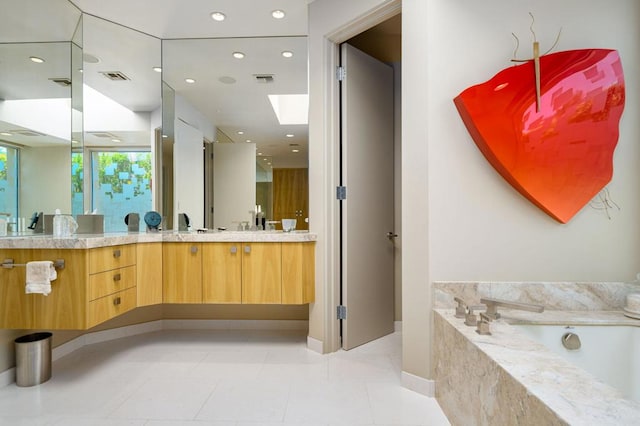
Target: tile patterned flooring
<point x="222" y="378"/>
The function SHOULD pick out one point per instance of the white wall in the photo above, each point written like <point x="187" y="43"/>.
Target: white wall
<point x="188" y="174"/>
<point x="466" y="222"/>
<point x="234" y="183"/>
<point x="45" y="180"/>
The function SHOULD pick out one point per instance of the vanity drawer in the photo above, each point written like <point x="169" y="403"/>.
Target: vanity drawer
<point x="110" y="282"/>
<point x="108" y="258"/>
<point x="105" y="308"/>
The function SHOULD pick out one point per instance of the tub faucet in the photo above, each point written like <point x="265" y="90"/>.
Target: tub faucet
<point x="492" y="306"/>
<point x="484" y="325"/>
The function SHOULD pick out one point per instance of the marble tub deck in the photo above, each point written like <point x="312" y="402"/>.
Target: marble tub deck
<point x="568" y="394"/>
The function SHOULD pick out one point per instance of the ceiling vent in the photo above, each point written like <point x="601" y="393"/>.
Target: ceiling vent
<point x="264" y="78"/>
<point x="62" y="81"/>
<point x="115" y="75"/>
<point x="28" y="133"/>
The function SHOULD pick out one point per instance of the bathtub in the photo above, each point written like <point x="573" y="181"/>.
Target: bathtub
<point x="610" y="353"/>
<point x="521" y="374"/>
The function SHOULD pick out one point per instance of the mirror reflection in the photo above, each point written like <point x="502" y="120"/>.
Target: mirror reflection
<point x="245" y="99"/>
<point x="35" y="106"/>
<point x="122" y="112"/>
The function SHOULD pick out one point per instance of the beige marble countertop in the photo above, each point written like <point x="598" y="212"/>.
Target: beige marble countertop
<point x="571" y="392"/>
<point x="87" y="241"/>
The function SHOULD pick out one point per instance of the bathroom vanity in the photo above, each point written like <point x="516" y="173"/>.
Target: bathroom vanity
<point x="107" y="275"/>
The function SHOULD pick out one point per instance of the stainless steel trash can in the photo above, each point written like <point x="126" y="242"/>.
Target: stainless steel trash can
<point x="33" y="359"/>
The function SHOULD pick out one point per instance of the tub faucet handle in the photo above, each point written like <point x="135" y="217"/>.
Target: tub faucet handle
<point x="461" y="309"/>
<point x="470" y="318"/>
<point x="484" y="325"/>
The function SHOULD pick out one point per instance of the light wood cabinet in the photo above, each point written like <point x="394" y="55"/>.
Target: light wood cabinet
<point x="149" y="273"/>
<point x="222" y="273"/>
<point x="98" y="284"/>
<point x="261" y="273"/>
<point x="90" y="280"/>
<point x="182" y="272"/>
<point x="291" y="196"/>
<point x="298" y="273"/>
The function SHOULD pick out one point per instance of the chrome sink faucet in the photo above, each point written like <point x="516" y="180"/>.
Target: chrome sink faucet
<point x="492" y="306"/>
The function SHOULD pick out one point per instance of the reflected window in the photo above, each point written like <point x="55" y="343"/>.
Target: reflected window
<point x="121" y="184"/>
<point x="77" y="183"/>
<point x="9" y="180"/>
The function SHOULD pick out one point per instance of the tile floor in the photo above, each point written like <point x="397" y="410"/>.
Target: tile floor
<point x="222" y="378"/>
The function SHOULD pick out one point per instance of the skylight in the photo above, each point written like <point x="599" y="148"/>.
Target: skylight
<point x="291" y="109"/>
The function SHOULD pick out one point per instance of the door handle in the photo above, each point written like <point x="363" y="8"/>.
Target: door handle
<point x="116" y="253"/>
<point x="391" y="235"/>
<point x="117" y="277"/>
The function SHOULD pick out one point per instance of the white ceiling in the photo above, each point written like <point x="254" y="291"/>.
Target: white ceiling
<point x="239" y="106"/>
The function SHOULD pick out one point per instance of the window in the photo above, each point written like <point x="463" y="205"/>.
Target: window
<point x="121" y="184"/>
<point x="9" y="180"/>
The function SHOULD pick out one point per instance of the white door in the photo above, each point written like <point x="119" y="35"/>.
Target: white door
<point x="367" y="211"/>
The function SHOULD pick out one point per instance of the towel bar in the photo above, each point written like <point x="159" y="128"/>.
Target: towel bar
<point x="8" y="264"/>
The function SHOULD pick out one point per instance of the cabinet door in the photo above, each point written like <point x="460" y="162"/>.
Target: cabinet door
<point x="149" y="271"/>
<point x="182" y="277"/>
<point x="261" y="273"/>
<point x="222" y="272"/>
<point x="298" y="273"/>
<point x="66" y="306"/>
<point x="16" y="307"/>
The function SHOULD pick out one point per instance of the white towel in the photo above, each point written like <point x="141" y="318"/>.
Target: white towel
<point x="39" y="277"/>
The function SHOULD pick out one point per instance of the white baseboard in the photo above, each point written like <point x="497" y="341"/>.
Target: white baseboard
<point x="315" y="345"/>
<point x="419" y="384"/>
<point x="7" y="377"/>
<point x="397" y="326"/>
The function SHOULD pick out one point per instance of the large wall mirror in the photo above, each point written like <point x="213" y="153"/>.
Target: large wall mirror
<point x="38" y="45"/>
<point x="122" y="117"/>
<point x="83" y="128"/>
<point x="244" y="100"/>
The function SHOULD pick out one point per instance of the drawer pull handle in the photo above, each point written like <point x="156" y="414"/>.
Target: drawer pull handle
<point x="247" y="249"/>
<point x="194" y="249"/>
<point x="117" y="301"/>
<point x="234" y="249"/>
<point x="116" y="253"/>
<point x="117" y="277"/>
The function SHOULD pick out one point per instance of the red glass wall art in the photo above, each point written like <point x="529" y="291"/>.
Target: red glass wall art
<point x="559" y="154"/>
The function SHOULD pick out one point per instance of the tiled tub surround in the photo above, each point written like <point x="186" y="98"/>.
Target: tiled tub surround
<point x="506" y="378"/>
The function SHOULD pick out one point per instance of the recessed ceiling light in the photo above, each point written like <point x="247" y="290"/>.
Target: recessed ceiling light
<point x="80" y="70"/>
<point x="259" y="154"/>
<point x="5" y="133"/>
<point x="218" y="16"/>
<point x="165" y="136"/>
<point x="278" y="14"/>
<point x="116" y="140"/>
<point x="157" y="69"/>
<point x="287" y="54"/>
<point x="290" y="135"/>
<point x="248" y="141"/>
<point x="240" y="132"/>
<point x="36" y="59"/>
<point x="238" y="55"/>
<point x="265" y="159"/>
<point x="189" y="80"/>
<point x="295" y="150"/>
<point x="74" y="141"/>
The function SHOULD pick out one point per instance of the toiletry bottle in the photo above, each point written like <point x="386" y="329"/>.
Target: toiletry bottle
<point x="58" y="224"/>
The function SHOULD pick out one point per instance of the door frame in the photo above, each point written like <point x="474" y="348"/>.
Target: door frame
<point x="331" y="61"/>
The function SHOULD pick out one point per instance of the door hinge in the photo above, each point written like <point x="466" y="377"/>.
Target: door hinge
<point x="341" y="192"/>
<point x="342" y="312"/>
<point x="341" y="73"/>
